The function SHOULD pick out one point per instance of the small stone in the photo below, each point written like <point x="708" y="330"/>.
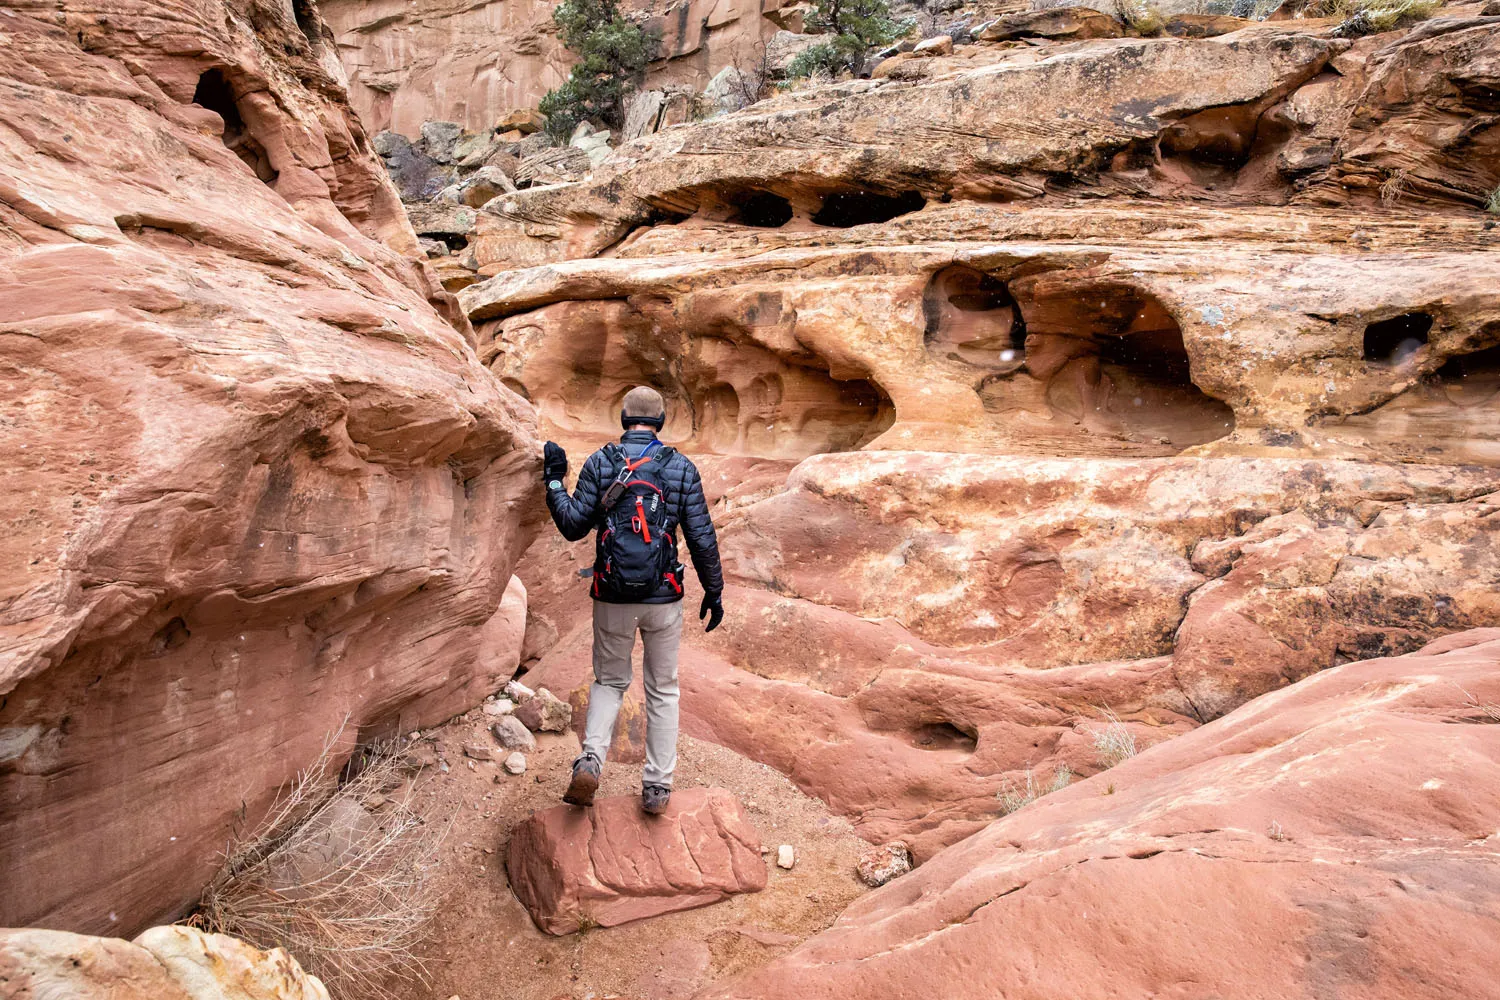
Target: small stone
<point x="478" y="751"/>
<point x="518" y="692"/>
<point x="879" y="865"/>
<point x="500" y="706"/>
<point x="513" y="735"/>
<point x="523" y="120"/>
<point x="516" y="763"/>
<point x="941" y="45"/>
<point x="786" y="856"/>
<point x="544" y="712"/>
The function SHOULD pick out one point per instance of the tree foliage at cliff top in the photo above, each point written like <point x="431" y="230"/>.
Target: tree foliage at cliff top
<point x="857" y="27"/>
<point x="613" y="53"/>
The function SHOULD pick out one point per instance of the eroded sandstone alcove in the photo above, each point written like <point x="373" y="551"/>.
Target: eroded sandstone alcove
<point x="734" y="384"/>
<point x="1072" y="363"/>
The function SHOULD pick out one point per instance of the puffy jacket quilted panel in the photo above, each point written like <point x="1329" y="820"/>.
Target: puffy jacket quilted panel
<point x="577" y="514"/>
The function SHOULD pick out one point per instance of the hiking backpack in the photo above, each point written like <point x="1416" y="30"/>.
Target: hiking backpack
<point x="636" y="550"/>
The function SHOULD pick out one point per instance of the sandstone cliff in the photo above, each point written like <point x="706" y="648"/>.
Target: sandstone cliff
<point x="258" y="480"/>
<point x="472" y="62"/>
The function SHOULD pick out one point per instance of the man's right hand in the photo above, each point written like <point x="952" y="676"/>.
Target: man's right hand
<point x="554" y="465"/>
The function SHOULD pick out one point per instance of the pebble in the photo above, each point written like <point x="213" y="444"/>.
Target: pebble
<point x="786" y="856"/>
<point x="513" y="735"/>
<point x="516" y="763"/>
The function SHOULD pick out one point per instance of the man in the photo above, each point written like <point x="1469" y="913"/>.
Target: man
<point x="637" y="495"/>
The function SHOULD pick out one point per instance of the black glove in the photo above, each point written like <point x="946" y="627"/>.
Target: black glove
<point x="713" y="606"/>
<point x="554" y="464"/>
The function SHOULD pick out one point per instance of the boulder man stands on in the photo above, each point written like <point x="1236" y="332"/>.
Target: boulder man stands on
<point x="637" y="494"/>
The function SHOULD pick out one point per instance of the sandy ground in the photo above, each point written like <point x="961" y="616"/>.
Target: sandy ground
<point x="484" y="945"/>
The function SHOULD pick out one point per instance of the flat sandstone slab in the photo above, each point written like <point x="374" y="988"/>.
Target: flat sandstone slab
<point x="575" y="868"/>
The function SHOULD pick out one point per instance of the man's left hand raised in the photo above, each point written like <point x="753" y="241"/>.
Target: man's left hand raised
<point x="554" y="465"/>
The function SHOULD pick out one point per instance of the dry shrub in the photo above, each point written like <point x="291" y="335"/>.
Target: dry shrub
<point x="1013" y="796"/>
<point x="1113" y="744"/>
<point x="348" y="892"/>
<point x="1393" y="188"/>
<point x="1369" y="17"/>
<point x="1493" y="205"/>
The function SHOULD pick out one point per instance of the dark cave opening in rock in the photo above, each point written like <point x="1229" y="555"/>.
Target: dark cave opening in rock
<point x="1392" y="341"/>
<point x="1471" y="379"/>
<point x="215" y="93"/>
<point x="843" y="209"/>
<point x="944" y="736"/>
<point x="763" y="210"/>
<point x="1113" y="359"/>
<point x="971" y="317"/>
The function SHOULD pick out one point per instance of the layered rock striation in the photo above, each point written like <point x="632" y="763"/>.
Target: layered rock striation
<point x="260" y="485"/>
<point x="1334" y="837"/>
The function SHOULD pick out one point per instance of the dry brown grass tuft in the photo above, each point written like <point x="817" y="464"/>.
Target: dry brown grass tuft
<point x="1368" y="17"/>
<point x="1013" y="796"/>
<point x="1113" y="744"/>
<point x="346" y="890"/>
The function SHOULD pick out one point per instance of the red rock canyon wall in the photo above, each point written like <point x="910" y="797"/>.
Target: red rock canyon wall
<point x="258" y="479"/>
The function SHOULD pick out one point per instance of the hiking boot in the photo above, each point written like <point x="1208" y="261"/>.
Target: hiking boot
<point x="654" y="799"/>
<point x="585" y="781"/>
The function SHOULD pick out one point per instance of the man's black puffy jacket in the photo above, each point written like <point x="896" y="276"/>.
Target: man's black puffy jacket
<point x="577" y="515"/>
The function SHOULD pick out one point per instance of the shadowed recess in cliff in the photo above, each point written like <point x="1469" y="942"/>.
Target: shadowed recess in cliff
<point x="763" y="210"/>
<point x="1115" y="366"/>
<point x="216" y="93"/>
<point x="727" y="391"/>
<point x="970" y="317"/>
<point x="1392" y="341"/>
<point x="857" y="207"/>
<point x="1455" y="411"/>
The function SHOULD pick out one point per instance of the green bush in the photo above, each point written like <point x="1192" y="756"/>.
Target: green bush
<point x="613" y="53"/>
<point x="857" y="27"/>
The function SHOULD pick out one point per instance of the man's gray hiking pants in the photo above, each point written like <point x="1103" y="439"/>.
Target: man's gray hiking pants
<point x="615" y="626"/>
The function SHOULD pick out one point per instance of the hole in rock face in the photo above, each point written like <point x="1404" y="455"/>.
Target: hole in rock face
<point x="763" y="210"/>
<point x="1220" y="136"/>
<point x="943" y="736"/>
<point x="843" y="209"/>
<point x="1113" y="359"/>
<point x="771" y="408"/>
<point x="971" y="317"/>
<point x="1392" y="341"/>
<point x="725" y="392"/>
<point x="215" y="93"/>
<point x="173" y="635"/>
<point x="1471" y="379"/>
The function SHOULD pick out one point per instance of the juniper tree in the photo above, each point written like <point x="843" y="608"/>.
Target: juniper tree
<point x="857" y="27"/>
<point x="612" y="56"/>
